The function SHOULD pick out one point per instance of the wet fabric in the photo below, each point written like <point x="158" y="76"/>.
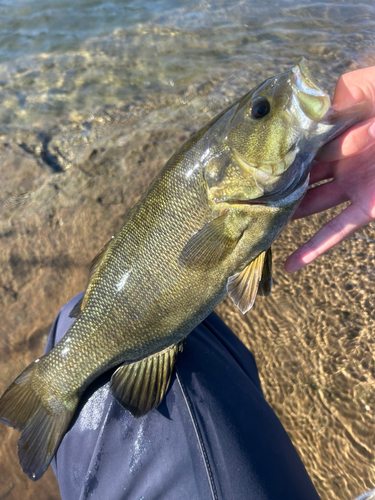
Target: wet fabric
<point x="213" y="437"/>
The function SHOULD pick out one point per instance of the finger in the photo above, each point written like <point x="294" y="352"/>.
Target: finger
<point x="354" y="141"/>
<point x="338" y="228"/>
<point x="354" y="87"/>
<point x="320" y="171"/>
<point x="321" y="198"/>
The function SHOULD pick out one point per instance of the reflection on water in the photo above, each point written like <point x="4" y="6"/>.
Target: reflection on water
<point x="90" y="112"/>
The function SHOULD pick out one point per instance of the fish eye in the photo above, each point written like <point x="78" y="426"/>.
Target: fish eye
<point x="259" y="107"/>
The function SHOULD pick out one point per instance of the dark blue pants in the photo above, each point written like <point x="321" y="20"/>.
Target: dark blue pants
<point x="213" y="436"/>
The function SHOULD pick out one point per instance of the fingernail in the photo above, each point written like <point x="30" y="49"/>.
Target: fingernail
<point x="371" y="130"/>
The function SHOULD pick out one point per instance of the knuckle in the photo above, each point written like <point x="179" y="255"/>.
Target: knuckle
<point x="368" y="211"/>
<point x="312" y="248"/>
<point x="341" y="80"/>
<point x="335" y="226"/>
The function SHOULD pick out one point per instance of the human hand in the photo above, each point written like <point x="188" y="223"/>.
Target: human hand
<point x="349" y="160"/>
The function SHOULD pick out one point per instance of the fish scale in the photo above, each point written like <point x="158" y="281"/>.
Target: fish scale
<point x="203" y="229"/>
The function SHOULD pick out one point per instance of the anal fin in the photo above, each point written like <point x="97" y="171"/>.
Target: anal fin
<point x="140" y="387"/>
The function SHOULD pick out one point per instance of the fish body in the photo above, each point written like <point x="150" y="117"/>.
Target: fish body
<point x="203" y="229"/>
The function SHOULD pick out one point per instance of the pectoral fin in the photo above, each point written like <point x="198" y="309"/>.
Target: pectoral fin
<point x="211" y="244"/>
<point x="139" y="387"/>
<point x="265" y="284"/>
<point x="243" y="287"/>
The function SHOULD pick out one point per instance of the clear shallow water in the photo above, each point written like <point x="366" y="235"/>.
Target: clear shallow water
<point x="94" y="99"/>
<point x="31" y="26"/>
<point x="65" y="57"/>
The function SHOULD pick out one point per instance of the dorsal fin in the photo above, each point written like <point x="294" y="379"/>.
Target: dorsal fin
<point x="94" y="267"/>
<point x="76" y="311"/>
<point x="98" y="259"/>
<point x="139" y="387"/>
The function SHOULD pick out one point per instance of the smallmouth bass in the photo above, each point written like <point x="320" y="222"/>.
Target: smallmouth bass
<point x="203" y="229"/>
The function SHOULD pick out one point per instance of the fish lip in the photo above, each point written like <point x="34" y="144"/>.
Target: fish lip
<point x="303" y="81"/>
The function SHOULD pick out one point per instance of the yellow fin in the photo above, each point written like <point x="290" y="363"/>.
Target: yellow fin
<point x="139" y="387"/>
<point x="265" y="284"/>
<point x="42" y="417"/>
<point x="211" y="244"/>
<point x="243" y="287"/>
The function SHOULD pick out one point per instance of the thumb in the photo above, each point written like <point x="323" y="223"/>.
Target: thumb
<point x="355" y="87"/>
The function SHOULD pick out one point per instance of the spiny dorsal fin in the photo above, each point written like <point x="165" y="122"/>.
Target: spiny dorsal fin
<point x="97" y="260"/>
<point x="76" y="311"/>
<point x="139" y="387"/>
<point x="265" y="284"/>
<point x="95" y="264"/>
<point x="243" y="287"/>
<point x="211" y="244"/>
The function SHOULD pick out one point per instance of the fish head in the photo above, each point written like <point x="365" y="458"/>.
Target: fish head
<point x="276" y="130"/>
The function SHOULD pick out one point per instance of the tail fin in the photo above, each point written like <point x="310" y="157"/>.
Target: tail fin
<point x="43" y="423"/>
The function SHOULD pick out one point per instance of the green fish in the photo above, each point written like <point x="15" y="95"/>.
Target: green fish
<point x="202" y="230"/>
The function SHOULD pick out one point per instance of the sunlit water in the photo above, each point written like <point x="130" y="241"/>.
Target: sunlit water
<point x="94" y="98"/>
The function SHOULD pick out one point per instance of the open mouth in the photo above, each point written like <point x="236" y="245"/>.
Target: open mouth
<point x="303" y="80"/>
<point x="312" y="100"/>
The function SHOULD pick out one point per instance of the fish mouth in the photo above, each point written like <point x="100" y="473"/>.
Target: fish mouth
<point x="316" y="104"/>
<point x="259" y="201"/>
<point x="307" y="95"/>
<point x="303" y="81"/>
